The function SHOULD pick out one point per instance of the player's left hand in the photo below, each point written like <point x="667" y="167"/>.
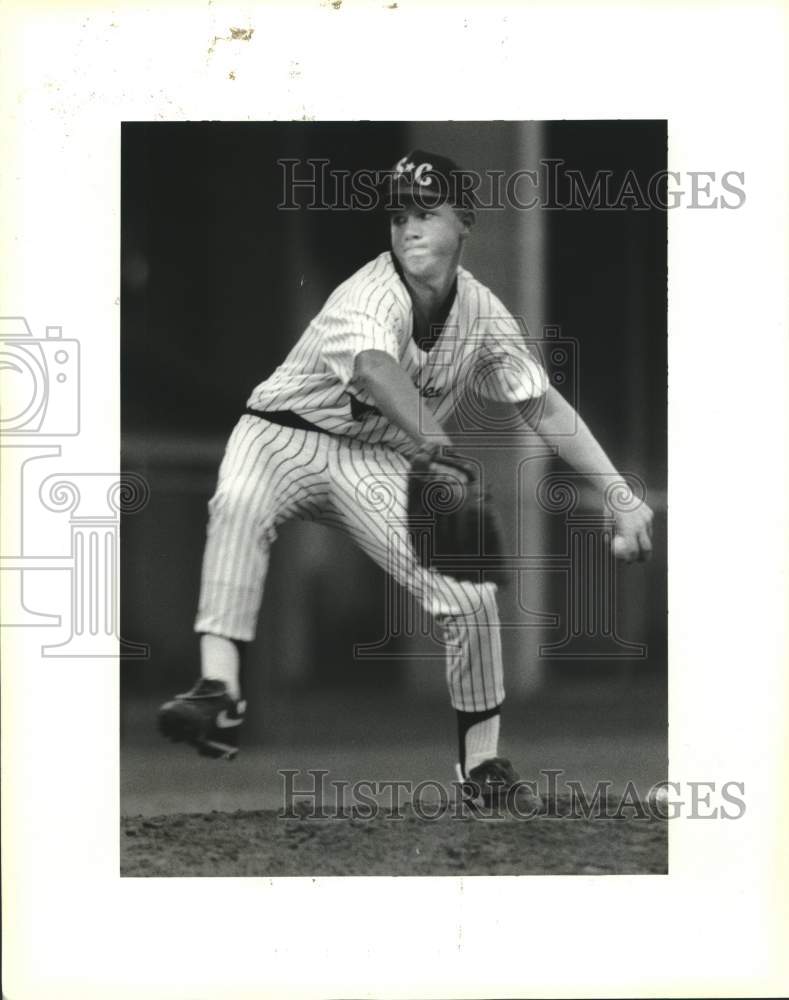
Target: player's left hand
<point x="633" y="534"/>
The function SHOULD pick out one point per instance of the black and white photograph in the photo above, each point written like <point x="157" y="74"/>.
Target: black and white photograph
<point x="397" y="392"/>
<point x="393" y="442"/>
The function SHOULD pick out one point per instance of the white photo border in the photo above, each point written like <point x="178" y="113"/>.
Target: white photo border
<point x="716" y="925"/>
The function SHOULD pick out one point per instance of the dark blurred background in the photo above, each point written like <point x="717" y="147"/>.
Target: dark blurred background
<point x="218" y="283"/>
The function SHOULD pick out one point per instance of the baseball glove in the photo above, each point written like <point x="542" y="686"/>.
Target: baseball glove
<point x="454" y="525"/>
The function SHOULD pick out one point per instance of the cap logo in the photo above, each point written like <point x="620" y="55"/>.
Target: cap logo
<point x="405" y="166"/>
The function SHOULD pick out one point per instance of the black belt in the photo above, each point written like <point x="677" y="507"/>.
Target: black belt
<point x="287" y="418"/>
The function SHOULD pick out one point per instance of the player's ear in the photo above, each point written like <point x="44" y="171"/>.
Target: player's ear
<point x="467" y="218"/>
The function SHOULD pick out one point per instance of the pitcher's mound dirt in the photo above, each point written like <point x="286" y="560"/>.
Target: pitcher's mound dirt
<point x="263" y="844"/>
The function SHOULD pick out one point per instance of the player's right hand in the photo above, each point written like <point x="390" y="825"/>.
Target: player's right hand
<point x="633" y="534"/>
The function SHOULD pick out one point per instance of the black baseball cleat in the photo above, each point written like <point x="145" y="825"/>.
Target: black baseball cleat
<point x="206" y="717"/>
<point x="494" y="785"/>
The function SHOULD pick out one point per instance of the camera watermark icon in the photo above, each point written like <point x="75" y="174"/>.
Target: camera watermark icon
<point x="41" y="401"/>
<point x="40" y="381"/>
<point x="499" y="361"/>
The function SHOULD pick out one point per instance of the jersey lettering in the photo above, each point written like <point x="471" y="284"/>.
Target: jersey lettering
<point x="429" y="390"/>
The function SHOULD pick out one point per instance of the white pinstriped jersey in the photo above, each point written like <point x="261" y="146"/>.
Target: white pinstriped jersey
<point x="481" y="349"/>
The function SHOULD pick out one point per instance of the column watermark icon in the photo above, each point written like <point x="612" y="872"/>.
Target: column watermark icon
<point x="41" y="404"/>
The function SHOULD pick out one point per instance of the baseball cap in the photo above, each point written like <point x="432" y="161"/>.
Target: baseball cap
<point x="426" y="179"/>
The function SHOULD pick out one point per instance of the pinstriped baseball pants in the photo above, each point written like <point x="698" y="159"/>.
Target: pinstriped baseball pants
<point x="271" y="474"/>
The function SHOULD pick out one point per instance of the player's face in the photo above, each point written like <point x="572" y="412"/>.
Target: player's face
<point x="427" y="241"/>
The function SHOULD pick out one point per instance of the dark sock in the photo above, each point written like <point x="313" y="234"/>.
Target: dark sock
<point x="465" y="721"/>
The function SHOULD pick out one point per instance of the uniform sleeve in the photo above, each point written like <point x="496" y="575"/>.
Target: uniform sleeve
<point x="347" y="331"/>
<point x="507" y="371"/>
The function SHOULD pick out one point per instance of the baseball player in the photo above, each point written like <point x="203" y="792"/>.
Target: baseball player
<point x="331" y="434"/>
